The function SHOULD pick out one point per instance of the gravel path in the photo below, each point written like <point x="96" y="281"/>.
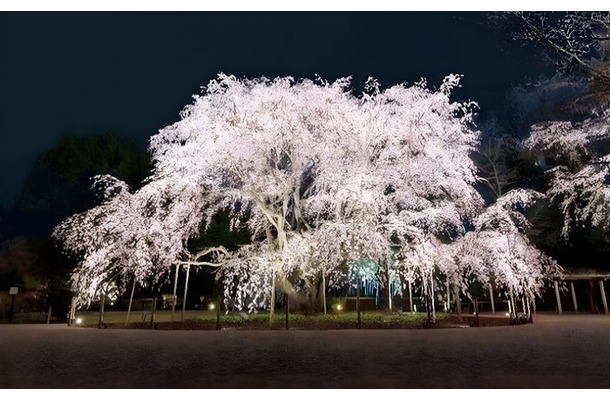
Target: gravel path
<point x="554" y="352"/>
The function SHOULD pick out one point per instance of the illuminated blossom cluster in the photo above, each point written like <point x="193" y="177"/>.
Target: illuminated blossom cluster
<point x="579" y="177"/>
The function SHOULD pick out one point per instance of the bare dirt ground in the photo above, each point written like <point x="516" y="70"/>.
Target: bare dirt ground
<point x="569" y="351"/>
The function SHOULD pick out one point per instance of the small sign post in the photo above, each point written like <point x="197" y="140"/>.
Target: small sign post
<point x="13" y="292"/>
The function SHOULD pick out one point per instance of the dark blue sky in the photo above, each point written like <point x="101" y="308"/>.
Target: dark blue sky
<point x="132" y="73"/>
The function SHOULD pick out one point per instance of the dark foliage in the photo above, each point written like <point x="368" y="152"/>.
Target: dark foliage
<point x="59" y="184"/>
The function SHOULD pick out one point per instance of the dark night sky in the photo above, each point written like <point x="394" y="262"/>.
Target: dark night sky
<point x="132" y="72"/>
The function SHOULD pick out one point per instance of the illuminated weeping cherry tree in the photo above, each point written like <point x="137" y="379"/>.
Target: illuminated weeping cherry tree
<point x="499" y="252"/>
<point x="579" y="181"/>
<point x="321" y="179"/>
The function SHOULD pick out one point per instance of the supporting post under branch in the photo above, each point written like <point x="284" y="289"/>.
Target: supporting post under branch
<point x="186" y="285"/>
<point x="559" y="310"/>
<point x="574" y="297"/>
<point x="603" y="292"/>
<point x="491" y="298"/>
